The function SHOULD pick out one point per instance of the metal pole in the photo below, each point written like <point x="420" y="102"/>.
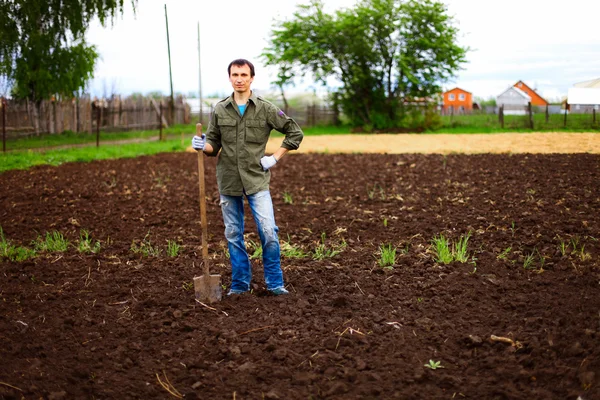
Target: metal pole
<point x="170" y="73"/>
<point x="199" y="75"/>
<point x="566" y="112"/>
<point x="3" y="105"/>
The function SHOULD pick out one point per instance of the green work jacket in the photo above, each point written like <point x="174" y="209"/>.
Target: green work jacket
<point x="240" y="142"/>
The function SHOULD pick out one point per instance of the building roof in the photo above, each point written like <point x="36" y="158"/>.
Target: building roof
<point x="458" y="89"/>
<point x="593" y="83"/>
<point x="533" y="91"/>
<point x="518" y="91"/>
<point x="584" y="96"/>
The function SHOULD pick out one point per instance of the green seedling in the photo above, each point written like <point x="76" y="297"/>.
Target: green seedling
<point x="434" y="364"/>
<point x="575" y="243"/>
<point x="387" y="256"/>
<point x="322" y="251"/>
<point x="513" y="228"/>
<point x="290" y="251"/>
<point x="173" y="248"/>
<point x="376" y="189"/>
<point x="442" y="249"/>
<point x="53" y="242"/>
<point x="145" y="247"/>
<point x="405" y="249"/>
<point x="255" y="249"/>
<point x="504" y="254"/>
<point x="287" y="198"/>
<point x="14" y="253"/>
<point x="459" y="251"/>
<point x="86" y="244"/>
<point x="563" y="247"/>
<point x="528" y="261"/>
<point x="445" y="253"/>
<point x="385" y="222"/>
<point x="187" y="285"/>
<point x="583" y="256"/>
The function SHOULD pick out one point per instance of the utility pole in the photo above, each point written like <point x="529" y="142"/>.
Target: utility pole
<point x="172" y="101"/>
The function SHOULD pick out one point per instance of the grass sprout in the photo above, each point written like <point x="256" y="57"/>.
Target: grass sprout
<point x="434" y="364"/>
<point x="173" y="248"/>
<point x="86" y="244"/>
<point x="323" y="251"/>
<point x="459" y="250"/>
<point x="446" y="252"/>
<point x="441" y="247"/>
<point x="254" y="249"/>
<point x="387" y="256"/>
<point x="529" y="260"/>
<point x="12" y="252"/>
<point x="287" y="198"/>
<point x="288" y="250"/>
<point x="53" y="242"/>
<point x="145" y="247"/>
<point x="375" y="190"/>
<point x="504" y="254"/>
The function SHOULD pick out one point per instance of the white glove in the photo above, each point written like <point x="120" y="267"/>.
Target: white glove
<point x="198" y="142"/>
<point x="267" y="162"/>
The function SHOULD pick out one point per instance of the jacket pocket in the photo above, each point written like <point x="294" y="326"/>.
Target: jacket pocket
<point x="228" y="128"/>
<point x="256" y="131"/>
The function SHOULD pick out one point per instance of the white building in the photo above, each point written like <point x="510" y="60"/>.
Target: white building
<point x="514" y="100"/>
<point x="591" y="84"/>
<point x="584" y="99"/>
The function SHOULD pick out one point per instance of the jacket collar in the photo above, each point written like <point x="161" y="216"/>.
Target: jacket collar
<point x="253" y="99"/>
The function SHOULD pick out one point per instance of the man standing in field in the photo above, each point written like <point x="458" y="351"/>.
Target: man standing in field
<point x="239" y="130"/>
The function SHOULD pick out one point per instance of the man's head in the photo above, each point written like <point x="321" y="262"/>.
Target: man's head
<point x="241" y="75"/>
<point x="240" y="62"/>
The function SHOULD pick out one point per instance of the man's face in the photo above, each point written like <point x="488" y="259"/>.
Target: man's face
<point x="240" y="78"/>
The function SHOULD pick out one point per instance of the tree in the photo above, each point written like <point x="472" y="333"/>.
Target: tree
<point x="385" y="54"/>
<point x="43" y="52"/>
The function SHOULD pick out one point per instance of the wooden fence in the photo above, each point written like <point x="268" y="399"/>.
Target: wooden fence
<point x="21" y="118"/>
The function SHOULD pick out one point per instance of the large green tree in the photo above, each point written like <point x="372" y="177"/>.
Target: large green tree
<point x="384" y="54"/>
<point x="43" y="51"/>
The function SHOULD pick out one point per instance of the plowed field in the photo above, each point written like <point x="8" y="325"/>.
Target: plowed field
<point x="116" y="323"/>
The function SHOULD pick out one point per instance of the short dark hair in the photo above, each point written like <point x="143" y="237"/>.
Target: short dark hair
<point x="240" y="62"/>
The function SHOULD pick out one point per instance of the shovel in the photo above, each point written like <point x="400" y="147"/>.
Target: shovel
<point x="206" y="286"/>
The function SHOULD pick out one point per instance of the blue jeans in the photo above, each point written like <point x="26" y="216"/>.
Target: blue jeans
<point x="261" y="206"/>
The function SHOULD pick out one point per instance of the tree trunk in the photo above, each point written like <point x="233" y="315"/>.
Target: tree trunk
<point x="285" y="102"/>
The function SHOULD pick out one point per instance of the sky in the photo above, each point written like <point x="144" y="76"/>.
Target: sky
<point x="548" y="45"/>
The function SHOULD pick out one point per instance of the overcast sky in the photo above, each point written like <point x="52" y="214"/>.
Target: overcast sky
<point x="549" y="45"/>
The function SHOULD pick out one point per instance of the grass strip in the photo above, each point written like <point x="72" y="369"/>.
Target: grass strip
<point x="28" y="159"/>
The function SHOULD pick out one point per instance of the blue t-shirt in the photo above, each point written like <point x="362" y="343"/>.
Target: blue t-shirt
<point x="242" y="108"/>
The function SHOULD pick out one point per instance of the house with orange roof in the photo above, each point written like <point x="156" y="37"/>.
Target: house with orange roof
<point x="536" y="99"/>
<point x="457" y="101"/>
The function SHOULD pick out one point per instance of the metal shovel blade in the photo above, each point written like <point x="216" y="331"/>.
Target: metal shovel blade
<point x="208" y="288"/>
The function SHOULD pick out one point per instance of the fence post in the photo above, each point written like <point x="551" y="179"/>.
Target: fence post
<point x="547" y="114"/>
<point x="530" y="111"/>
<point x="566" y="112"/>
<point x="160" y="114"/>
<point x="3" y="105"/>
<point x="501" y="115"/>
<point x="593" y="116"/>
<point x="91" y="116"/>
<point x="98" y="111"/>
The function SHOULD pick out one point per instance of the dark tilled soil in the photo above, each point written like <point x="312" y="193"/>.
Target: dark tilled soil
<point x="116" y="324"/>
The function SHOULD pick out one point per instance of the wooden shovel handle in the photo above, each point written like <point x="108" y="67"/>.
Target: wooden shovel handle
<point x="203" y="220"/>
